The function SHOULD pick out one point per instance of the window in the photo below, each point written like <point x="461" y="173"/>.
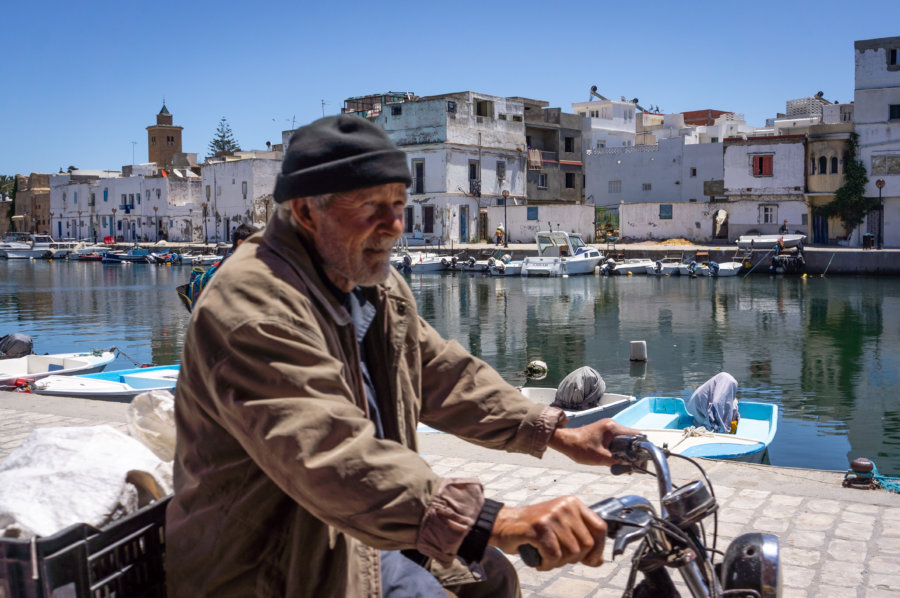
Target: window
<point x="75" y="197"/>
<point x="501" y="170"/>
<point x="528" y="141"/>
<point x="665" y="211"/>
<point x="714" y="140"/>
<point x="569" y="143"/>
<point x="894" y="112"/>
<point x="892" y="57"/>
<point x="693" y="171"/>
<point x="762" y="165"/>
<point x="812" y="165"/>
<point x="153" y="141"/>
<point x="428" y="219"/>
<point x="396" y="110"/>
<point x="517" y="118"/>
<point x="408" y="220"/>
<point x="823" y="165"/>
<point x="93" y="198"/>
<point x="106" y="195"/>
<point x="484" y="108"/>
<point x="451" y="106"/>
<point x="473" y="170"/>
<point x="768" y="214"/>
<point x="646" y="187"/>
<point x="542" y="180"/>
<point x="595" y="114"/>
<point x="886" y="164"/>
<point x="844" y="163"/>
<point x="834" y="165"/>
<point x="501" y="116"/>
<point x="531" y="212"/>
<point x="124" y="199"/>
<point x="418" y="167"/>
<point x="570" y="180"/>
<point x="615" y="186"/>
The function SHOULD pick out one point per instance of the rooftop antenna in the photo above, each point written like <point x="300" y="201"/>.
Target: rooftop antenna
<point x="323" y="108"/>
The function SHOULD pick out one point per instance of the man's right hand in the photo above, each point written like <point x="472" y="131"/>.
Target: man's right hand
<point x="564" y="531"/>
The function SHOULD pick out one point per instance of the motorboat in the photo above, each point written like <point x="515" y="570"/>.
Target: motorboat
<point x="22" y="370"/>
<point x="30" y="247"/>
<point x="89" y="253"/>
<point x="769" y="241"/>
<point x="117" y="385"/>
<point x="628" y="266"/>
<point x="207" y="259"/>
<point x="134" y="255"/>
<point x="422" y="262"/>
<point x="667" y="423"/>
<point x="506" y="266"/>
<point x="610" y="405"/>
<point x="164" y="257"/>
<point x="719" y="269"/>
<point x="667" y="266"/>
<point x="561" y="254"/>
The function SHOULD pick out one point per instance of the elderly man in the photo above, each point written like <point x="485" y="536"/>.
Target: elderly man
<point x="305" y="371"/>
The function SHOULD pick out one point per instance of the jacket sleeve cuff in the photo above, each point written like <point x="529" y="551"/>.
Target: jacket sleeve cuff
<point x="544" y="427"/>
<point x="453" y="511"/>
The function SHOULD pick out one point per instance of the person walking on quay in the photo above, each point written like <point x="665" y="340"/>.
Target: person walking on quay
<point x="306" y="369"/>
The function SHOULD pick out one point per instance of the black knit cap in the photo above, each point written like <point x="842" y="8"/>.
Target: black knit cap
<point x="339" y="153"/>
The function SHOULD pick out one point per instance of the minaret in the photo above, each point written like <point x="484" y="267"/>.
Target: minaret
<point x="163" y="139"/>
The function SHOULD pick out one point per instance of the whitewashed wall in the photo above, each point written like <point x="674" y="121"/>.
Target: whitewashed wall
<point x="570" y="218"/>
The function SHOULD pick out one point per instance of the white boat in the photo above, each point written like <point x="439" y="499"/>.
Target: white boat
<point x="666" y="266"/>
<point x="202" y="260"/>
<point x="628" y="266"/>
<point x="610" y="405"/>
<point x="36" y="367"/>
<point x="36" y="247"/>
<point x="719" y="269"/>
<point x="561" y="254"/>
<point x="769" y="241"/>
<point x="422" y="262"/>
<point x="116" y="385"/>
<point x="505" y="266"/>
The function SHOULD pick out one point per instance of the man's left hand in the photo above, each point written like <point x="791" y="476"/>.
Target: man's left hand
<point x="589" y="445"/>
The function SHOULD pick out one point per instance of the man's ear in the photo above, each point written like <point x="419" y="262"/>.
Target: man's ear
<point x="302" y="212"/>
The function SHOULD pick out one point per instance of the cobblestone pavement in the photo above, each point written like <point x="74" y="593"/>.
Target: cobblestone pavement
<point x="834" y="541"/>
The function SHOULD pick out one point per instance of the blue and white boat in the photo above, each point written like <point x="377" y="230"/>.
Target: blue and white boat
<point x="667" y="423"/>
<point x="134" y="255"/>
<point x="118" y="385"/>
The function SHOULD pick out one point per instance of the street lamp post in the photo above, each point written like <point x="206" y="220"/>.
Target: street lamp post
<point x="880" y="184"/>
<point x="156" y="217"/>
<point x="112" y="225"/>
<point x="205" y="225"/>
<point x="79" y="225"/>
<point x="505" y="221"/>
<point x="51" y="224"/>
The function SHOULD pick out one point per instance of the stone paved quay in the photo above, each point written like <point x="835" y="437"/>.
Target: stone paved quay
<point x="835" y="542"/>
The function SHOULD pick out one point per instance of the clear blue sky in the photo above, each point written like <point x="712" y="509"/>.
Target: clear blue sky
<point x="82" y="81"/>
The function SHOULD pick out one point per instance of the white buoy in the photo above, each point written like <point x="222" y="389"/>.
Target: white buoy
<point x="638" y="350"/>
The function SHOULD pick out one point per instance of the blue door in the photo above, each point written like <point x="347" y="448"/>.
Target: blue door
<point x="59" y="229"/>
<point x="463" y="224"/>
<point x="820" y="229"/>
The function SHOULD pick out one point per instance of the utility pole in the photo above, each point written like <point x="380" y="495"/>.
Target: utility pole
<point x="323" y="108"/>
<point x="133" y="143"/>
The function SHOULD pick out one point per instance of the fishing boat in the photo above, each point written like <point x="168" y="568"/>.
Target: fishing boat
<point x="135" y="255"/>
<point x="164" y="257"/>
<point x="711" y="269"/>
<point x="561" y="254"/>
<point x="628" y="266"/>
<point x="769" y="241"/>
<point x="118" y="385"/>
<point x="667" y="423"/>
<point x="422" y="262"/>
<point x="506" y="266"/>
<point x="35" y="367"/>
<point x="667" y="266"/>
<point x="30" y="247"/>
<point x="610" y="404"/>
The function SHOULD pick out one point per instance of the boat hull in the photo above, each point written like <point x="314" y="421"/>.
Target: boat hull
<point x="768" y="241"/>
<point x="119" y="385"/>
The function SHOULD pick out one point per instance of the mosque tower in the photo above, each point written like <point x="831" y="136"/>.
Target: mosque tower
<point x="163" y="139"/>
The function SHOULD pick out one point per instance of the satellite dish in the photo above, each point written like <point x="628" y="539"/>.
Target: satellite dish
<point x="634" y="100"/>
<point x="819" y="94"/>
<point x="594" y="88"/>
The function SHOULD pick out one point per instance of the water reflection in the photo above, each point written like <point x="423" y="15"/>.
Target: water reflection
<point x="824" y="349"/>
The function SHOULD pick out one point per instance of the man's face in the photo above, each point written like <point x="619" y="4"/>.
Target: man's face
<point x="355" y="233"/>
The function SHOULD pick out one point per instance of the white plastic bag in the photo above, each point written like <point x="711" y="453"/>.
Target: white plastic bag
<point x="151" y="420"/>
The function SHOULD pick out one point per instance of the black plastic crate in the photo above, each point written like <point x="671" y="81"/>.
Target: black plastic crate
<point x="124" y="560"/>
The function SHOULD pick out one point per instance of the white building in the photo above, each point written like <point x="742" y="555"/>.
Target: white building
<point x="236" y="190"/>
<point x="876" y="117"/>
<point x="607" y="123"/>
<point x="671" y="172"/>
<point x="464" y="150"/>
<point x="764" y="184"/>
<point x="93" y="205"/>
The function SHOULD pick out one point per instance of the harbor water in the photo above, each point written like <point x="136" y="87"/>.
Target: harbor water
<point x="825" y="350"/>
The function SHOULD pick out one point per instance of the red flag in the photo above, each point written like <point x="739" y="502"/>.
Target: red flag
<point x="163" y="172"/>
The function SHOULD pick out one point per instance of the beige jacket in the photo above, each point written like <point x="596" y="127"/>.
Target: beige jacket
<point x="281" y="487"/>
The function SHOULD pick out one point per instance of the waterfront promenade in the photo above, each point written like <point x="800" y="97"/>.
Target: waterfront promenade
<point x="835" y="542"/>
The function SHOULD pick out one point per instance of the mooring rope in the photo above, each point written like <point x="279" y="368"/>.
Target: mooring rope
<point x="872" y="478"/>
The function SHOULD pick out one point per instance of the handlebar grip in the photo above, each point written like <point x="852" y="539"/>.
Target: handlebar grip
<point x="618" y="469"/>
<point x="624" y="447"/>
<point x="530" y="555"/>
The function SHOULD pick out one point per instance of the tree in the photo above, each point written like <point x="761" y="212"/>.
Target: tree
<point x="223" y="141"/>
<point x="849" y="204"/>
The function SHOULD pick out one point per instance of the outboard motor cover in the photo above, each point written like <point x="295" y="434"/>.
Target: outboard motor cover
<point x="581" y="389"/>
<point x="16" y="345"/>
